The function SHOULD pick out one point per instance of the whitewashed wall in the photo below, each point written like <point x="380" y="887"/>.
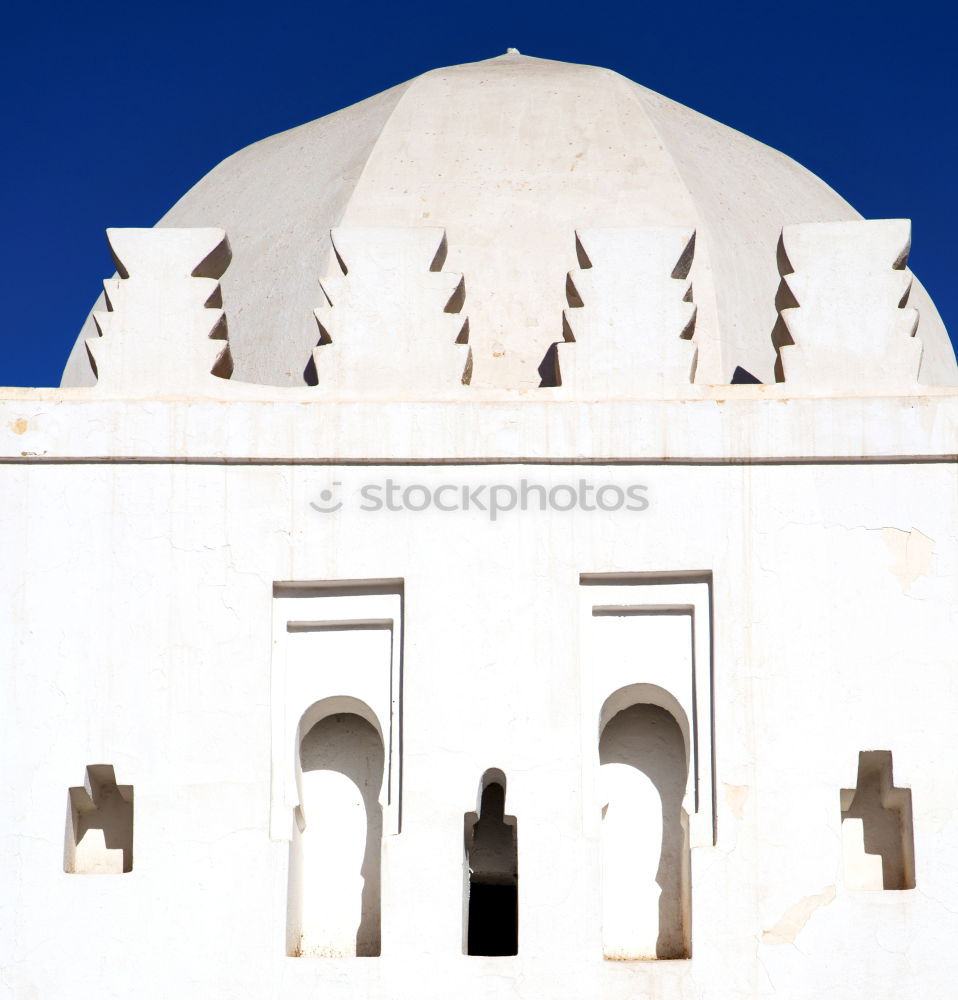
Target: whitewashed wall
<point x="138" y="630"/>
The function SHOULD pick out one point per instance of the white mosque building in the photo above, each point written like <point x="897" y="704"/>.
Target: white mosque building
<point x="499" y="540"/>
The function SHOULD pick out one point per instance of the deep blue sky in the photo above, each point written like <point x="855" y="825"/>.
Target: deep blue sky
<point x="112" y="111"/>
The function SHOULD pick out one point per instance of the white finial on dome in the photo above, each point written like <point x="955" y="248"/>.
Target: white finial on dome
<point x="513" y="52"/>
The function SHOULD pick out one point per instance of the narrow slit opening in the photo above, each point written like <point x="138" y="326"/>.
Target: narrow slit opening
<point x="492" y="905"/>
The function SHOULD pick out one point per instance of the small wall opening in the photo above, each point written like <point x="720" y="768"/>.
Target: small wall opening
<point x="645" y="843"/>
<point x="878" y="839"/>
<point x="335" y="852"/>
<point x="99" y="836"/>
<point x="492" y="869"/>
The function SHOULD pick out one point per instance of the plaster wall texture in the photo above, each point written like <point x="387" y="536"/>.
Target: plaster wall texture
<point x="834" y="589"/>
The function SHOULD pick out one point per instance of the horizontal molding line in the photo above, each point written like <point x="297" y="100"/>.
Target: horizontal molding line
<point x="300" y="396"/>
<point x="346" y="625"/>
<point x="934" y="459"/>
<point x="641" y="610"/>
<point x="338" y="588"/>
<point x="645" y="578"/>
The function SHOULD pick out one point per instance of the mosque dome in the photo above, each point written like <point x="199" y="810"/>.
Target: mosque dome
<point x="511" y="156"/>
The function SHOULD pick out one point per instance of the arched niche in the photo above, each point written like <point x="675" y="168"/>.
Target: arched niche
<point x="353" y="629"/>
<point x="654" y="628"/>
<point x="644" y="750"/>
<point x="653" y="694"/>
<point x="335" y="865"/>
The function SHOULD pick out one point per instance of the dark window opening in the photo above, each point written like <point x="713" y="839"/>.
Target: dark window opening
<point x="493" y="887"/>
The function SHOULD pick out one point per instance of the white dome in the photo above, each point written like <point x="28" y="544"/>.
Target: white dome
<point x="511" y="156"/>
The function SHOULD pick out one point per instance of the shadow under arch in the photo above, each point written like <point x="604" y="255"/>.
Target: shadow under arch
<point x="334" y="905"/>
<point x="644" y="758"/>
<point x="647" y="694"/>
